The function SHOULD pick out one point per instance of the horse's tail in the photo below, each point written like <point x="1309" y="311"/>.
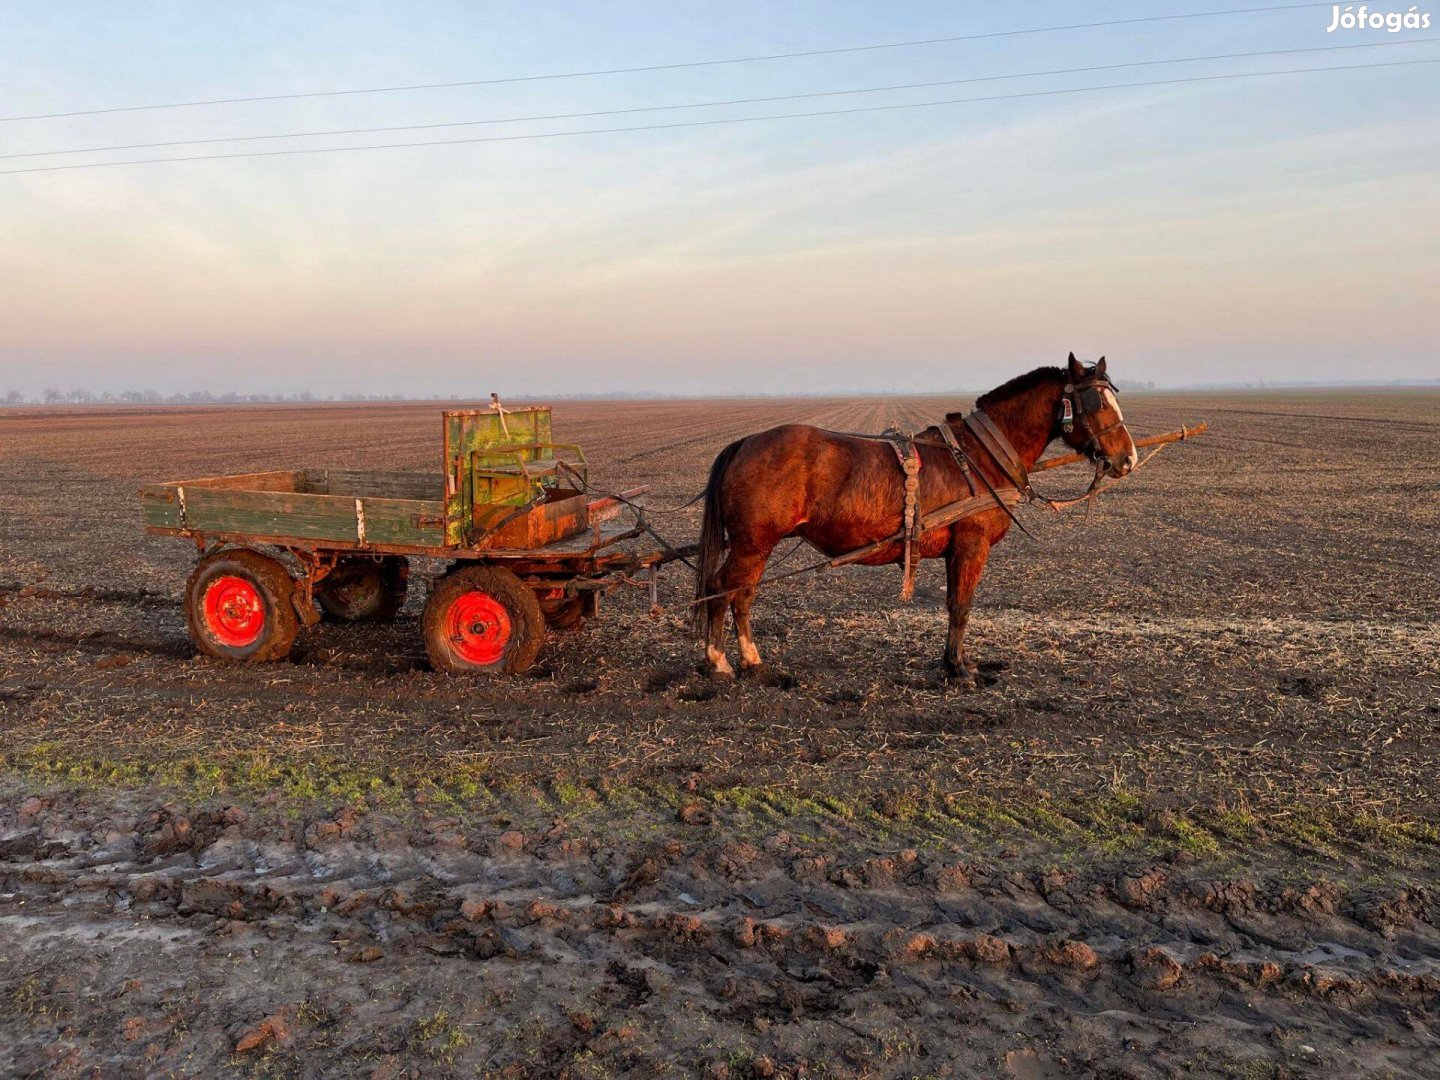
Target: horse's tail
<point x="712" y="539"/>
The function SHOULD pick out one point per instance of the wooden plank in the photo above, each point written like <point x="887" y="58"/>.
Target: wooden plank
<point x="312" y="517"/>
<point x="249" y="539"/>
<point x="411" y="522"/>
<point x="160" y="507"/>
<point x="365" y="484"/>
<point x="284" y="480"/>
<point x="160" y="504"/>
<point x="276" y="509"/>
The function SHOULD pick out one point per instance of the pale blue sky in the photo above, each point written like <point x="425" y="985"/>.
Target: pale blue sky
<point x="1282" y="228"/>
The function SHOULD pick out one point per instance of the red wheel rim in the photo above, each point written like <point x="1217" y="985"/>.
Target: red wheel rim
<point x="234" y="611"/>
<point x="478" y="627"/>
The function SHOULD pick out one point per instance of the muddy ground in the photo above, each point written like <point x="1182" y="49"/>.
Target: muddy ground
<point x="1187" y="824"/>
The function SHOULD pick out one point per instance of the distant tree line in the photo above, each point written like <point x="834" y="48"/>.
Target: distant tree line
<point x="52" y="395"/>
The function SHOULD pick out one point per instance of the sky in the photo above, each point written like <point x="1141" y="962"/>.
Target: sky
<point x="1284" y="229"/>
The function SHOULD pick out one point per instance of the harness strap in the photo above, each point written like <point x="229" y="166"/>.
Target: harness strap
<point x="999" y="448"/>
<point x="958" y="453"/>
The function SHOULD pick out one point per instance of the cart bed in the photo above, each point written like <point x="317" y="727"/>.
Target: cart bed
<point x="384" y="513"/>
<point x="328" y="505"/>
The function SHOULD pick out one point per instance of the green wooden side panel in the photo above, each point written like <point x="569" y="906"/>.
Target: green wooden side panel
<point x="294" y="515"/>
<point x="482" y="435"/>
<point x="160" y="507"/>
<point x="407" y="522"/>
<point x="265" y="513"/>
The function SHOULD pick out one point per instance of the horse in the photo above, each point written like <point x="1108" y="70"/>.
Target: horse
<point x="842" y="492"/>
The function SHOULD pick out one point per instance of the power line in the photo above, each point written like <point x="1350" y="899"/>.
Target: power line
<point x="670" y="67"/>
<point x="711" y="104"/>
<point x="713" y="123"/>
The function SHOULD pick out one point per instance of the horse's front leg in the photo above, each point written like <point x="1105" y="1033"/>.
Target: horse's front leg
<point x="964" y="562"/>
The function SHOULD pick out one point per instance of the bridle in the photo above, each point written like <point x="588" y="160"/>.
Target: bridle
<point x="1080" y="403"/>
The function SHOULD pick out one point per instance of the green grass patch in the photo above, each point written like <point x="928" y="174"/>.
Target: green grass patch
<point x="1112" y="823"/>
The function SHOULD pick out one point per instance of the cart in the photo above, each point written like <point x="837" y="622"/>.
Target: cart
<point x="526" y="546"/>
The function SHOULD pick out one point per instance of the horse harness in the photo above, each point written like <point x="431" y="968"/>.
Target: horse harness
<point x="1081" y="401"/>
<point x="907" y="451"/>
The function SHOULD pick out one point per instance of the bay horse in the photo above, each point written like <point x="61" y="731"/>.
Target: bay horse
<point x="842" y="492"/>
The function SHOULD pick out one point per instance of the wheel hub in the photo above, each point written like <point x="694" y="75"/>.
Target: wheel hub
<point x="234" y="611"/>
<point x="479" y="628"/>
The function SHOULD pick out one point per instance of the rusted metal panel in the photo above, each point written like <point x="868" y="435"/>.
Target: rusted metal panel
<point x="564" y="514"/>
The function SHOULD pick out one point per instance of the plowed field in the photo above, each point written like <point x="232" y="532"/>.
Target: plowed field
<point x="1186" y="825"/>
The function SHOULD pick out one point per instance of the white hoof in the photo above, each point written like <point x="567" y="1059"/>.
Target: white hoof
<point x="718" y="662"/>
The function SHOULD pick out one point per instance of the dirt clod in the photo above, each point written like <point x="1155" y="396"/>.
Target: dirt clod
<point x="271" y="1030"/>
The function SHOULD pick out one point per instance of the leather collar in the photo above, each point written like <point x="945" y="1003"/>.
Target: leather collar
<point x="999" y="447"/>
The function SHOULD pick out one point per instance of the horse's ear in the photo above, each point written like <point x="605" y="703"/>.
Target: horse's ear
<point x="1077" y="369"/>
<point x="1100" y="366"/>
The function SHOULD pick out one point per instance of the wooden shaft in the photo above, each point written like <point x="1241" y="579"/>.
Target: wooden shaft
<point x="935" y="519"/>
<point x="1149" y="440"/>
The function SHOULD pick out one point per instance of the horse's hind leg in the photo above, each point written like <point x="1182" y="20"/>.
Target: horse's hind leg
<point x="715" y="635"/>
<point x="741" y="605"/>
<point x="737" y="579"/>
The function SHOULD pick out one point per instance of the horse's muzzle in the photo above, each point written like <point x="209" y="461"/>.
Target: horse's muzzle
<point x="1118" y="465"/>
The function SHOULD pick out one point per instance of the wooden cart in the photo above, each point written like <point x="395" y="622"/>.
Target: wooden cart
<point x="526" y="547"/>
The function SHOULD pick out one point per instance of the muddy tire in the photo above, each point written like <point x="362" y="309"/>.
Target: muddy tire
<point x="482" y="620"/>
<point x="362" y="589"/>
<point x="238" y="604"/>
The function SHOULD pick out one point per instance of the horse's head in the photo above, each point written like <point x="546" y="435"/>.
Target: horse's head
<point x="1090" y="420"/>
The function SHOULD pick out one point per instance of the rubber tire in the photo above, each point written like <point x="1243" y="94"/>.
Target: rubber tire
<point x="567" y="613"/>
<point x="527" y="621"/>
<point x="276" y="588"/>
<point x="362" y="589"/>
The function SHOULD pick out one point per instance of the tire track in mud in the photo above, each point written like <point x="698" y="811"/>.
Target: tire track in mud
<point x="14" y="590"/>
<point x="770" y="936"/>
<point x="100" y="641"/>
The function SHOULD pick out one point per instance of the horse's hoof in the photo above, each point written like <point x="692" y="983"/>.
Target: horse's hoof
<point x="718" y="665"/>
<point x="961" y="678"/>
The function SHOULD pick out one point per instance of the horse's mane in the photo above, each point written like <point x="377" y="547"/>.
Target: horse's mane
<point x="1019" y="385"/>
